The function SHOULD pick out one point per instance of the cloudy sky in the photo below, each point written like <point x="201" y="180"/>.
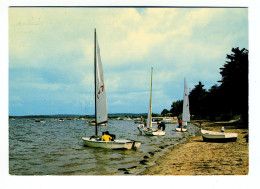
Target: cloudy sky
<point x="51" y="53"/>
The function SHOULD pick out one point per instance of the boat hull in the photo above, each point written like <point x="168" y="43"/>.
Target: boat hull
<point x="169" y="122"/>
<point x="210" y="139"/>
<point x="164" y="120"/>
<point x="93" y="124"/>
<point x="154" y="133"/>
<point x="116" y="144"/>
<point x="211" y="136"/>
<point x="150" y="132"/>
<point x="181" y="130"/>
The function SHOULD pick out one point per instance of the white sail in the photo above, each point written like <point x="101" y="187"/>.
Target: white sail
<point x="186" y="107"/>
<point x="101" y="111"/>
<point x="101" y="99"/>
<point x="149" y="117"/>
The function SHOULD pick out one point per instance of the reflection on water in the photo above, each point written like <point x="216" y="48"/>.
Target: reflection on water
<point x="56" y="148"/>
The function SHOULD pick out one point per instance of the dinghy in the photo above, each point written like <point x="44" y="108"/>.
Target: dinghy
<point x="185" y="110"/>
<point x="149" y="130"/>
<point x="212" y="136"/>
<point x="101" y="115"/>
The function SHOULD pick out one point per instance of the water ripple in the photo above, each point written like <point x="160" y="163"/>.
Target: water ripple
<point x="56" y="148"/>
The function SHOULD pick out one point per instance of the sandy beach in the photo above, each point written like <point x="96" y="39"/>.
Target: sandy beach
<point x="196" y="157"/>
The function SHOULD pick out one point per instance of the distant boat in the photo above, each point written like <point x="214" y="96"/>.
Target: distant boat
<point x="185" y="109"/>
<point x="138" y="120"/>
<point x="169" y="120"/>
<point x="147" y="129"/>
<point x="40" y="121"/>
<point x="212" y="136"/>
<point x="157" y="119"/>
<point x="166" y="120"/>
<point x="60" y="119"/>
<point x="101" y="115"/>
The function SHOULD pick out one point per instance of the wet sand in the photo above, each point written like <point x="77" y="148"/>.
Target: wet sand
<point x="196" y="157"/>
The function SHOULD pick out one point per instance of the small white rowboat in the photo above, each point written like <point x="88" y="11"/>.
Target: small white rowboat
<point x="154" y="132"/>
<point x="212" y="136"/>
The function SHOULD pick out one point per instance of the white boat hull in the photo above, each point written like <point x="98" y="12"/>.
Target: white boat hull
<point x="150" y="132"/>
<point x="154" y="132"/>
<point x="212" y="136"/>
<point x="181" y="130"/>
<point x="93" y="124"/>
<point x="169" y="121"/>
<point x="164" y="120"/>
<point x="116" y="144"/>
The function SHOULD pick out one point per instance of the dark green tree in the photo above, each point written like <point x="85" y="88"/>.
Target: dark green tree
<point x="155" y="115"/>
<point x="226" y="100"/>
<point x="197" y="101"/>
<point x="176" y="108"/>
<point x="234" y="83"/>
<point x="165" y="112"/>
<point x="213" y="101"/>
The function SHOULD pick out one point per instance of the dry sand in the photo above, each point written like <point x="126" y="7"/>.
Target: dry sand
<point x="204" y="158"/>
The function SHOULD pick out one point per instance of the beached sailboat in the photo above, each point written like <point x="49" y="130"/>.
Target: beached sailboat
<point x="101" y="115"/>
<point x="147" y="129"/>
<point x="185" y="110"/>
<point x="212" y="136"/>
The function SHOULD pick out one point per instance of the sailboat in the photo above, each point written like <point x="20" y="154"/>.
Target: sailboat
<point x="101" y="115"/>
<point x="185" y="109"/>
<point x="147" y="129"/>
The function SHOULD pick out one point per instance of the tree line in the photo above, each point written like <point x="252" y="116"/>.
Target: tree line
<point x="224" y="100"/>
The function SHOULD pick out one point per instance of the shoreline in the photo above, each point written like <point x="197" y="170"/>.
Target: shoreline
<point x="195" y="157"/>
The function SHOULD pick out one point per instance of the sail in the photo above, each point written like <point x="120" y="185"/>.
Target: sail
<point x="186" y="107"/>
<point x="149" y="117"/>
<point x="101" y="99"/>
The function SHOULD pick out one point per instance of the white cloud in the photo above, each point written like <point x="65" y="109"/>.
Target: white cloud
<point x="178" y="43"/>
<point x="118" y="103"/>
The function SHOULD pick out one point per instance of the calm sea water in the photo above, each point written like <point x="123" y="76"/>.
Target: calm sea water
<point x="56" y="148"/>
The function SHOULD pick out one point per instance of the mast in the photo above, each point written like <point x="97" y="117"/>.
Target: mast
<point x="150" y="105"/>
<point x="95" y="67"/>
<point x="184" y="105"/>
